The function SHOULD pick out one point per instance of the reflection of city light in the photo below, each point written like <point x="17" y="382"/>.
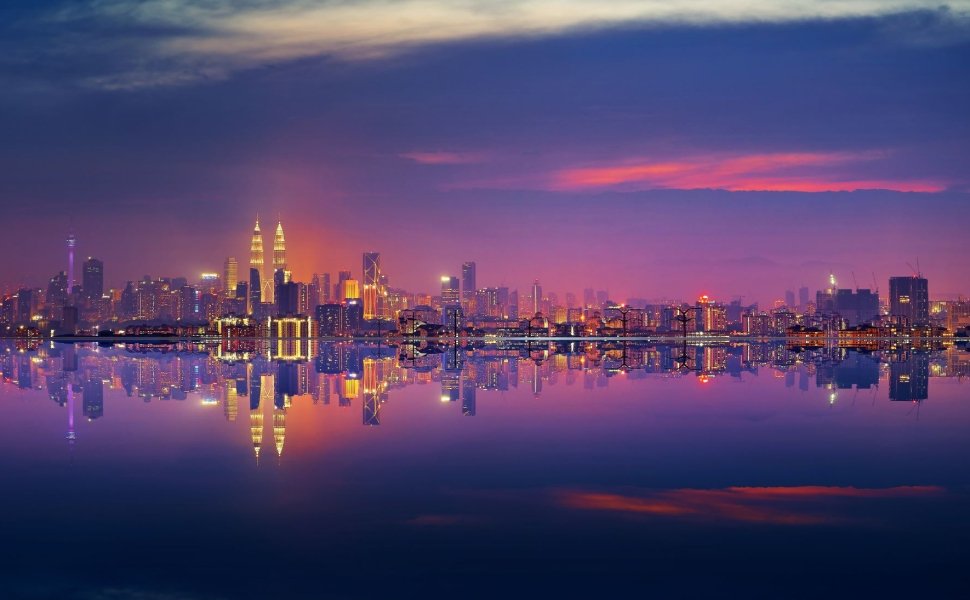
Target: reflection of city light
<point x="446" y="398"/>
<point x="832" y="397"/>
<point x="704" y="378"/>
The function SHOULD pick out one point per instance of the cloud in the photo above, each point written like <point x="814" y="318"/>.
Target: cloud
<point x="444" y="158"/>
<point x="774" y="172"/>
<point x="783" y="505"/>
<point x="214" y="38"/>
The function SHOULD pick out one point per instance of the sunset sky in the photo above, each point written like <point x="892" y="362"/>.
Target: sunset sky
<point x="654" y="149"/>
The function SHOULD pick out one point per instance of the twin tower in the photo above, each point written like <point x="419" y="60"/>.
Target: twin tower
<point x="257" y="262"/>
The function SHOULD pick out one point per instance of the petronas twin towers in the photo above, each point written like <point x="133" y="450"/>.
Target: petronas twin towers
<point x="256" y="260"/>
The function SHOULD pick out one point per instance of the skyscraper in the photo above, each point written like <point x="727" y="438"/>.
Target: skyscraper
<point x="372" y="277"/>
<point x="536" y="297"/>
<point x="450" y="293"/>
<point x="255" y="291"/>
<point x="230" y="276"/>
<point x="468" y="284"/>
<point x="279" y="249"/>
<point x="256" y="262"/>
<point x="909" y="298"/>
<point x="92" y="279"/>
<point x="71" y="244"/>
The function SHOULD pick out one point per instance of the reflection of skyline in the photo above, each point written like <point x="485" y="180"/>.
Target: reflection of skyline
<point x="371" y="374"/>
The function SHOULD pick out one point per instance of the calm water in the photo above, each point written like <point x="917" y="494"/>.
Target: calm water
<point x="363" y="471"/>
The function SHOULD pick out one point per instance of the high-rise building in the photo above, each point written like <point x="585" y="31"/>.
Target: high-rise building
<point x="57" y="293"/>
<point x="230" y="276"/>
<point x="92" y="279"/>
<point x="450" y="293"/>
<point x="71" y="244"/>
<point x="326" y="291"/>
<point x="350" y="290"/>
<point x="256" y="261"/>
<point x="255" y="290"/>
<point x="790" y="298"/>
<point x="909" y="298"/>
<point x="536" y="297"/>
<point x="338" y="290"/>
<point x="371" y="281"/>
<point x="468" y="285"/>
<point x="859" y="307"/>
<point x="803" y="297"/>
<point x="279" y="249"/>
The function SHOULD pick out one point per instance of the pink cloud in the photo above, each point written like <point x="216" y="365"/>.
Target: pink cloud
<point x="783" y="171"/>
<point x="789" y="505"/>
<point x="444" y="158"/>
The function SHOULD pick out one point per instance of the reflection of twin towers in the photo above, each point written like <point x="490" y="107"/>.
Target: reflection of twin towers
<point x="256" y="260"/>
<point x="262" y="393"/>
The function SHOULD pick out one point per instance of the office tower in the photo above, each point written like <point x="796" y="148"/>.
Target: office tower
<point x="257" y="261"/>
<point x="536" y="297"/>
<point x="287" y="297"/>
<point x="279" y="249"/>
<point x="92" y="279"/>
<point x="342" y="276"/>
<point x="802" y="297"/>
<point x="71" y="244"/>
<point x="326" y="292"/>
<point x="589" y="298"/>
<point x="25" y="305"/>
<point x="857" y="307"/>
<point x="256" y="250"/>
<point x="354" y="315"/>
<point x="468" y="284"/>
<point x="230" y="276"/>
<point x="790" y="298"/>
<point x="909" y="298"/>
<point x="313" y="293"/>
<point x="350" y="290"/>
<point x="255" y="290"/>
<point x="57" y="292"/>
<point x="189" y="309"/>
<point x="331" y="319"/>
<point x="570" y="300"/>
<point x="450" y="293"/>
<point x="371" y="281"/>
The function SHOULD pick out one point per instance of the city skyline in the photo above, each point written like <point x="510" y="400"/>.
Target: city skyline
<point x="846" y="276"/>
<point x="618" y="147"/>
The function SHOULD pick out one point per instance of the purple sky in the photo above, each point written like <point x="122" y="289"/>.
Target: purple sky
<point x="725" y="150"/>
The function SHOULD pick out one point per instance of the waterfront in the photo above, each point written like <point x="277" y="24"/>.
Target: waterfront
<point x="361" y="470"/>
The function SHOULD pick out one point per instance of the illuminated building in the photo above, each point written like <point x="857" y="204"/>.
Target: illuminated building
<point x="291" y="327"/>
<point x="331" y="319"/>
<point x="536" y="297"/>
<point x="255" y="291"/>
<point x="342" y="276"/>
<point x="354" y="316"/>
<point x="468" y="288"/>
<point x="256" y="250"/>
<point x="350" y="290"/>
<point x="92" y="279"/>
<point x="372" y="282"/>
<point x="71" y="245"/>
<point x="230" y="276"/>
<point x="909" y="300"/>
<point x="56" y="293"/>
<point x="450" y="293"/>
<point x="279" y="249"/>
